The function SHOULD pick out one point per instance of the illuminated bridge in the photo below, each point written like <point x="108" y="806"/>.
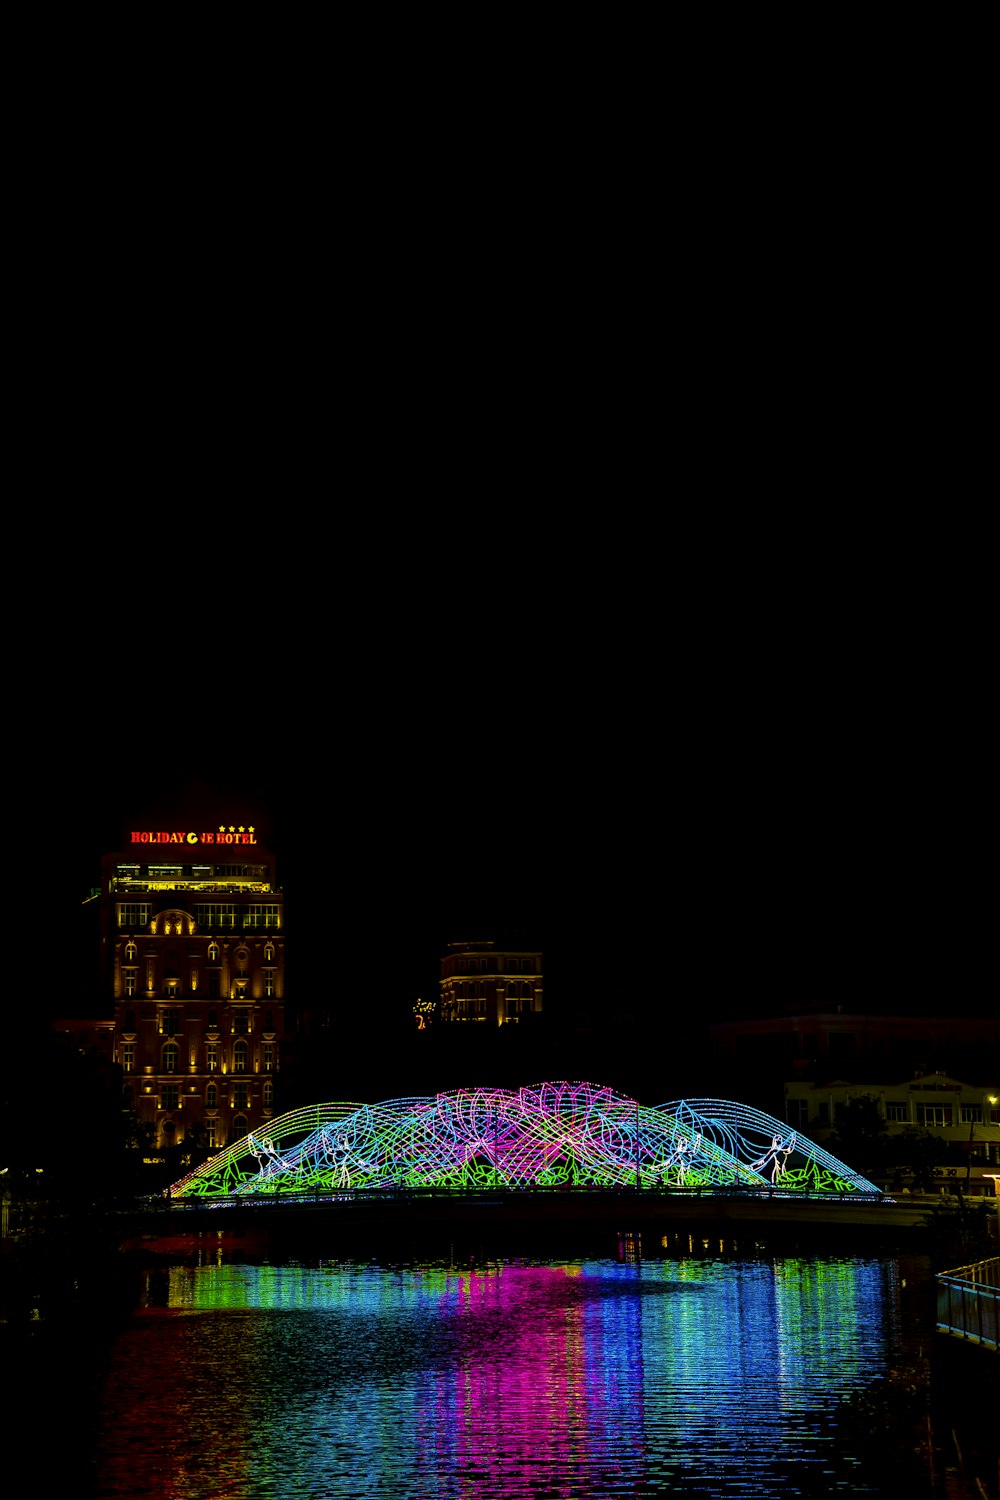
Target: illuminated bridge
<point x="549" y="1136"/>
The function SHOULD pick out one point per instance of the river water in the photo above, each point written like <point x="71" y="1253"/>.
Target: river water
<point x="694" y="1374"/>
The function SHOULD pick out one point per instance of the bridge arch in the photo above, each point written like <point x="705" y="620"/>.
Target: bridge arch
<point x="550" y="1135"/>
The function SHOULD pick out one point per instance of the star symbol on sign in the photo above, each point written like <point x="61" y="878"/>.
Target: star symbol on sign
<point x="222" y="827"/>
<point x="242" y="829"/>
<point x="251" y="829"/>
<point x="231" y="828"/>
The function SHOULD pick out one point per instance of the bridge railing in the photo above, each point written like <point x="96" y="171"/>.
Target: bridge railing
<point x="968" y="1303"/>
<point x="291" y="1194"/>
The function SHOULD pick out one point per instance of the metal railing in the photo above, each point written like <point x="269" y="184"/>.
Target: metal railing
<point x="968" y="1303"/>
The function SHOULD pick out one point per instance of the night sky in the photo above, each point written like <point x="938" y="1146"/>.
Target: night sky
<point x="702" y="790"/>
<point x="635" y="609"/>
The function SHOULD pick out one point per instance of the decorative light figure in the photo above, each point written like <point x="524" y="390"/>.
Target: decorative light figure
<point x="550" y="1135"/>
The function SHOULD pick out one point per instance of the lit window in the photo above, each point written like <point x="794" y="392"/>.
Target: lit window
<point x="212" y="1057"/>
<point x="934" y="1114"/>
<point x="261" y="916"/>
<point x="213" y="953"/>
<point x="211" y="1097"/>
<point x="130" y="953"/>
<point x="268" y="1094"/>
<point x="218" y="918"/>
<point x="128" y="1057"/>
<point x="171" y="1057"/>
<point x="267" y="1057"/>
<point x="131" y="981"/>
<point x="132" y="916"/>
<point x="210" y="1130"/>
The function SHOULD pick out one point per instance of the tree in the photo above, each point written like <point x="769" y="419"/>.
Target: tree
<point x="862" y="1136"/>
<point x="918" y="1152"/>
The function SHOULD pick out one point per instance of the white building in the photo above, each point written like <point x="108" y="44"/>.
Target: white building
<point x="965" y="1120"/>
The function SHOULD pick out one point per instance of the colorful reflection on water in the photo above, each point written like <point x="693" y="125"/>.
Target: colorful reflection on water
<point x="564" y="1380"/>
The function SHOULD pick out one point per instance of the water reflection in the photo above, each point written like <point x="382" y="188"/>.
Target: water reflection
<point x="568" y="1379"/>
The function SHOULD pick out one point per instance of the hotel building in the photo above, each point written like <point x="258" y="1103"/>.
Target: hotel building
<point x="193" y="959"/>
<point x="494" y="986"/>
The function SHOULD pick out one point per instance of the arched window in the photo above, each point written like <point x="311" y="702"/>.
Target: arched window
<point x="213" y="953"/>
<point x="130" y="953"/>
<point x="268" y="1094"/>
<point x="211" y="1097"/>
<point x="171" y="1056"/>
<point x="240" y="1127"/>
<point x="240" y="1051"/>
<point x="269" y="953"/>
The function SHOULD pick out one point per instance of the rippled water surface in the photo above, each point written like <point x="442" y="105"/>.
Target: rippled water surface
<point x="561" y="1380"/>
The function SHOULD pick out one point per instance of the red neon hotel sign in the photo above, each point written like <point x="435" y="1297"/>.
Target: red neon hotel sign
<point x="230" y="835"/>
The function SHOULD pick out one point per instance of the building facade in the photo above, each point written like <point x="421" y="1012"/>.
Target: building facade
<point x="963" y="1119"/>
<point x="492" y="986"/>
<point x="193" y="962"/>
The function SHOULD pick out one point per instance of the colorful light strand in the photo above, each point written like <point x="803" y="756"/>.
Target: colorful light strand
<point x="549" y="1135"/>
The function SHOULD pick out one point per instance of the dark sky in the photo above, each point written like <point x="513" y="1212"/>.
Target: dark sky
<point x="628" y="609"/>
<point x="699" y="790"/>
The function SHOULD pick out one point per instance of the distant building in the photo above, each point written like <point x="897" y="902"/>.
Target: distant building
<point x="93" y="1036"/>
<point x="817" y="1044"/>
<point x="193" y="969"/>
<point x="489" y="985"/>
<point x="964" y="1119"/>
